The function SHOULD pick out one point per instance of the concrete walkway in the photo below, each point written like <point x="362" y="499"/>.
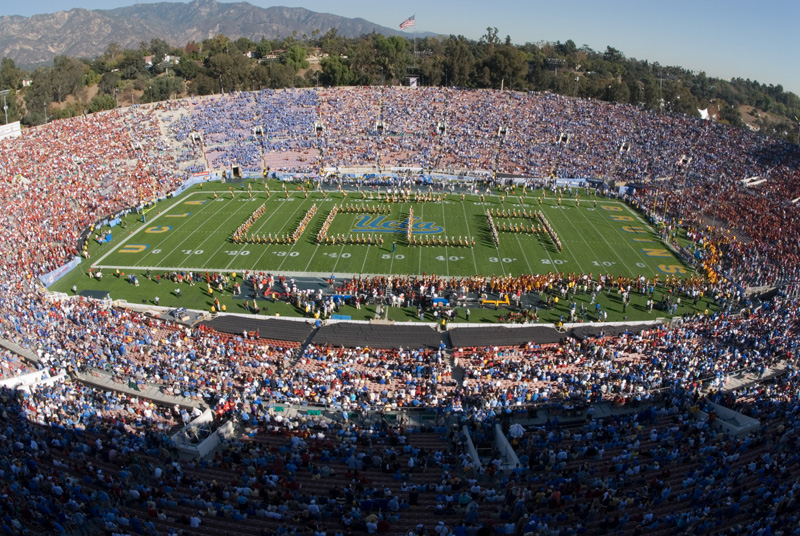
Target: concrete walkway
<point x="103" y="380"/>
<point x="742" y="381"/>
<point x="19" y="350"/>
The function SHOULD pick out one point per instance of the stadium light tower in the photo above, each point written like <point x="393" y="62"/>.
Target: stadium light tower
<point x="5" y="107"/>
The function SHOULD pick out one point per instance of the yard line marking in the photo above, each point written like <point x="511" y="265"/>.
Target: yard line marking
<point x="391" y="261"/>
<point x="209" y="219"/>
<point x="287" y="273"/>
<point x="268" y="247"/>
<point x="366" y="255"/>
<point x="522" y="249"/>
<point x="314" y="254"/>
<point x="263" y="223"/>
<point x="446" y="253"/>
<point x="654" y="236"/>
<point x="469" y="235"/>
<point x="143" y="228"/>
<point x="297" y="212"/>
<point x="588" y="245"/>
<point x="302" y="209"/>
<point x="217" y="224"/>
<point x="496" y="249"/>
<point x="341" y="250"/>
<point x="419" y="256"/>
<point x="612" y="249"/>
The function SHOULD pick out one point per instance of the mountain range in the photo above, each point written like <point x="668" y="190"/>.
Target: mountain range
<point x="87" y="33"/>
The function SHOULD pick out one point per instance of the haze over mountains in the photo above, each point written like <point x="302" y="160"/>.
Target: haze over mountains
<point x="86" y="33"/>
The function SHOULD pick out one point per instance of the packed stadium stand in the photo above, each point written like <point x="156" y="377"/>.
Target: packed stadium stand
<point x="119" y="422"/>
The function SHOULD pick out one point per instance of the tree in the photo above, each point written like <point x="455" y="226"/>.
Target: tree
<point x="678" y="99"/>
<point x="617" y="92"/>
<point x="162" y="88"/>
<point x="567" y="48"/>
<point x="505" y="66"/>
<point x="335" y="72"/>
<point x="232" y="70"/>
<point x="10" y="74"/>
<point x="131" y="64"/>
<point x="363" y="63"/>
<point x="102" y="102"/>
<point x="701" y="86"/>
<point x="159" y="49"/>
<point x="391" y="58"/>
<point x="38" y="96"/>
<point x="651" y="93"/>
<point x="192" y="50"/>
<point x="112" y="51"/>
<point x="203" y="84"/>
<point x="730" y="115"/>
<point x="67" y="76"/>
<point x="215" y="45"/>
<point x="187" y="68"/>
<point x="13" y="110"/>
<point x="432" y="69"/>
<point x="490" y="37"/>
<point x="244" y="45"/>
<point x="263" y="49"/>
<point x="295" y="57"/>
<point x="459" y="62"/>
<point x="73" y="109"/>
<point x="90" y="78"/>
<point x="333" y="44"/>
<point x="613" y="55"/>
<point x="260" y="76"/>
<point x="281" y="75"/>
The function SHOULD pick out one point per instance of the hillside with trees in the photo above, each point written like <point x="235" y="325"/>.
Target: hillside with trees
<point x="156" y="71"/>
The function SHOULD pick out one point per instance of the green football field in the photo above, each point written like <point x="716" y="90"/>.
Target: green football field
<point x="195" y="232"/>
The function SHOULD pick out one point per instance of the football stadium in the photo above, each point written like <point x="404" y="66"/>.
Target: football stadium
<point x="382" y="309"/>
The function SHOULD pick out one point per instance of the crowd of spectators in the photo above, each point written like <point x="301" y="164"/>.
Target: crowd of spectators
<point x="688" y="164"/>
<point x="633" y="366"/>
<point x="61" y="178"/>
<point x="78" y="459"/>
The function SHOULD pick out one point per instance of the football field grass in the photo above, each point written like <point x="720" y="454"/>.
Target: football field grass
<point x="195" y="231"/>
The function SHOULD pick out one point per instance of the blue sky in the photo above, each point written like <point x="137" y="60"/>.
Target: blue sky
<point x="743" y="38"/>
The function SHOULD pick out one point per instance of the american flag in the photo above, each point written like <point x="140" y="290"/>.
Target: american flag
<point x="408" y="23"/>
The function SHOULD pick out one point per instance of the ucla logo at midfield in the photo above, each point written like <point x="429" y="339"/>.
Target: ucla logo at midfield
<point x="380" y="224"/>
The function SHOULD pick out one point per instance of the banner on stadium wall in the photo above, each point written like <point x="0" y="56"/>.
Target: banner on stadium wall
<point x="11" y="130"/>
<point x="572" y="183"/>
<point x="51" y="277"/>
<point x="195" y="178"/>
<point x="292" y="176"/>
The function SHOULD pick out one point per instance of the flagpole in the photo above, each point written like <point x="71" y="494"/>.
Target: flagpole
<point x="408" y="23"/>
<point x="415" y="40"/>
